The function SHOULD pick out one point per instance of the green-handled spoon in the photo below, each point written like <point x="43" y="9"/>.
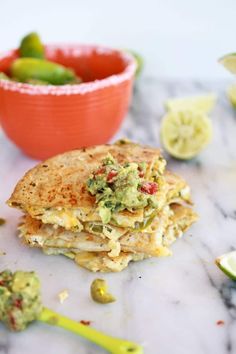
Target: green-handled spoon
<point x="20" y="304"/>
<point x="111" y="344"/>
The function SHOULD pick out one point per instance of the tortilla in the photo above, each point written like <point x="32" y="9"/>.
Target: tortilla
<point x="55" y="190"/>
<point x="172" y="222"/>
<point x="61" y="216"/>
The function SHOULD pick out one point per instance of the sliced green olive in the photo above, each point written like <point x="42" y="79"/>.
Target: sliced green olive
<point x="25" y="69"/>
<point x="31" y="46"/>
<point x="99" y="292"/>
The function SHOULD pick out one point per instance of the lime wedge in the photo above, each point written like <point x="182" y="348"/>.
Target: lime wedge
<point x="232" y="95"/>
<point x="229" y="62"/>
<point x="203" y="104"/>
<point x="185" y="133"/>
<point x="227" y="263"/>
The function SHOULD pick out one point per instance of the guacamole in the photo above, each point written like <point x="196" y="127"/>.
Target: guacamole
<point x="118" y="187"/>
<point x="20" y="301"/>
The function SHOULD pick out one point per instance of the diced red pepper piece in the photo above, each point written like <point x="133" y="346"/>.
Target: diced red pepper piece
<point x="149" y="188"/>
<point x="100" y="171"/>
<point x="18" y="303"/>
<point x="111" y="175"/>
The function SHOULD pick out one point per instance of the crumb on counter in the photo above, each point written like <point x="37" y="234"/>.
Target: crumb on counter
<point x="220" y="323"/>
<point x="2" y="253"/>
<point x="63" y="295"/>
<point x="2" y="221"/>
<point x="85" y="323"/>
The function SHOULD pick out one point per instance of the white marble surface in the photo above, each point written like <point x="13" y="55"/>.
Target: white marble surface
<point x="170" y="305"/>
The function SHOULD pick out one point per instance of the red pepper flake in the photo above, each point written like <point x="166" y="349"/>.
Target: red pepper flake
<point x="100" y="171"/>
<point x="220" y="323"/>
<point x="111" y="175"/>
<point x="2" y="283"/>
<point x="18" y="303"/>
<point x="73" y="201"/>
<point x="149" y="188"/>
<point x="85" y="323"/>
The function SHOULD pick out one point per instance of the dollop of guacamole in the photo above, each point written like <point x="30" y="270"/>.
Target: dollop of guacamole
<point x="118" y="187"/>
<point x="20" y="300"/>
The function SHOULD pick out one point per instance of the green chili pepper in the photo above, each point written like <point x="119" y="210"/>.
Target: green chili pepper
<point x="31" y="46"/>
<point x="25" y="69"/>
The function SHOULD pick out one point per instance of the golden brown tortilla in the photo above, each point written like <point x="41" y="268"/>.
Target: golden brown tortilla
<point x="60" y="182"/>
<point x="172" y="222"/>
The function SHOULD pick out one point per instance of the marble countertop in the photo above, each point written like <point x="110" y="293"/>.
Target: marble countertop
<point x="169" y="305"/>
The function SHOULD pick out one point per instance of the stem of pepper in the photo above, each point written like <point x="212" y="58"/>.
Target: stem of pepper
<point x="111" y="344"/>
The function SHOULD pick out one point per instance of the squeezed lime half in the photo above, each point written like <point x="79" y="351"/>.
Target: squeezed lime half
<point x="203" y="103"/>
<point x="229" y="62"/>
<point x="232" y="95"/>
<point x="185" y="133"/>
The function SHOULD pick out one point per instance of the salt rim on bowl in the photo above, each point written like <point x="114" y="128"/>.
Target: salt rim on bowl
<point x="83" y="88"/>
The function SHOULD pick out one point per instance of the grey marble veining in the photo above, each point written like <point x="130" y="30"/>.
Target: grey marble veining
<point x="170" y="305"/>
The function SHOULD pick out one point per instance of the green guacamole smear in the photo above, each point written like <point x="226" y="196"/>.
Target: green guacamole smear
<point x="118" y="187"/>
<point x="20" y="300"/>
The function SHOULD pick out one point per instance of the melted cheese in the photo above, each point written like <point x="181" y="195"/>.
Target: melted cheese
<point x="66" y="219"/>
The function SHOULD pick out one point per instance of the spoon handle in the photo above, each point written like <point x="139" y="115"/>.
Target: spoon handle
<point x="111" y="344"/>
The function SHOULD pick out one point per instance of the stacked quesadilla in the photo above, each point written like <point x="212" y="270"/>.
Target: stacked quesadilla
<point x="104" y="206"/>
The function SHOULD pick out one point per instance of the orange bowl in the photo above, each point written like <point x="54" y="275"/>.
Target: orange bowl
<point x="47" y="120"/>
